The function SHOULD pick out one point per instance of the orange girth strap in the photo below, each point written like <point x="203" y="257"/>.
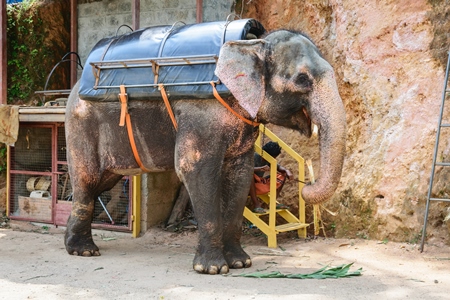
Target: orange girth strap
<point x="216" y="94"/>
<point x="167" y="103"/>
<point x="125" y="118"/>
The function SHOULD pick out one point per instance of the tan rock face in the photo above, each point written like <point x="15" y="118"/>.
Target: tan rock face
<point x="389" y="58"/>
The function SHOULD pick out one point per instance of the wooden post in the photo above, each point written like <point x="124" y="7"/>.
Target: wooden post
<point x="3" y="58"/>
<point x="136" y="12"/>
<point x="199" y="11"/>
<point x="73" y="41"/>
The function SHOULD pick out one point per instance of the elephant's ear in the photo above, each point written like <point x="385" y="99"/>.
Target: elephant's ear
<point x="241" y="67"/>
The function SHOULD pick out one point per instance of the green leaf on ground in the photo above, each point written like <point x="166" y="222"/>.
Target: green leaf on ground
<point x="323" y="273"/>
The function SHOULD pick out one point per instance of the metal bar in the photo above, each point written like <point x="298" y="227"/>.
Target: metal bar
<point x="436" y="146"/>
<point x="8" y="180"/>
<point x="147" y="62"/>
<point x="181" y="58"/>
<point x="199" y="13"/>
<point x="149" y="65"/>
<point x="136" y="13"/>
<point x="155" y="85"/>
<point x="3" y="57"/>
<point x="73" y="40"/>
<point x="443" y="164"/>
<point x="54" y="178"/>
<point x="106" y="211"/>
<point x="440" y="199"/>
<point x="445" y="125"/>
<point x="53" y="92"/>
<point x="135" y="205"/>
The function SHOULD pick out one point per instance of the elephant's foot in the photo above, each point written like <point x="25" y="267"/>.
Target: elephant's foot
<point x="237" y="258"/>
<point x="80" y="245"/>
<point x="207" y="263"/>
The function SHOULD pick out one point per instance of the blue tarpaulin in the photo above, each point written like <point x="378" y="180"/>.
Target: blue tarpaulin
<point x="13" y="1"/>
<point x="115" y="60"/>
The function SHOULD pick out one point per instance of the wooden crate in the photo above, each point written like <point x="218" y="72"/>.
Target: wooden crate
<point x="37" y="209"/>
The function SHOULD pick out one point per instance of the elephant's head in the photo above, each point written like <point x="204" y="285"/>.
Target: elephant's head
<point x="283" y="79"/>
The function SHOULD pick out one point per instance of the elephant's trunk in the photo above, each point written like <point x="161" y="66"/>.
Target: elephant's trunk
<point x="328" y="112"/>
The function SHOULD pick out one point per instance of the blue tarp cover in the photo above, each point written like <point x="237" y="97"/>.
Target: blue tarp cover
<point x="162" y="41"/>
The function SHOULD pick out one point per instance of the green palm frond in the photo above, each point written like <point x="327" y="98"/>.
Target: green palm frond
<point x="323" y="273"/>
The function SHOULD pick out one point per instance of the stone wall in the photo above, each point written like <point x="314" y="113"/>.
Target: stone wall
<point x="389" y="58"/>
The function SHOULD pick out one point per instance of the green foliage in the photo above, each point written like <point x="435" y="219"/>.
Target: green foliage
<point x="323" y="273"/>
<point x="2" y="158"/>
<point x="26" y="51"/>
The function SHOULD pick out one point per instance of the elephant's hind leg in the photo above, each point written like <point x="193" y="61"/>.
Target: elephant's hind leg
<point x="78" y="237"/>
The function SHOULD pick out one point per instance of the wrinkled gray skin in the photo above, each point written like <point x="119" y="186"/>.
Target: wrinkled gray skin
<point x="281" y="79"/>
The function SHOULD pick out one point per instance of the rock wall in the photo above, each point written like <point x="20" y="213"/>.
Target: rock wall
<point x="389" y="57"/>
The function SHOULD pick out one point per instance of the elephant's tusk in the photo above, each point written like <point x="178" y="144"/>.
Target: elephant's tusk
<point x="316" y="207"/>
<point x="314" y="130"/>
<point x="310" y="169"/>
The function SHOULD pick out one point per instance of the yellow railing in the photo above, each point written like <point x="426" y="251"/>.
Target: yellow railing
<point x="294" y="223"/>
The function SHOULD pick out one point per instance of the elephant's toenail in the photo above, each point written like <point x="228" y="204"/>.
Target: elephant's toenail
<point x="224" y="270"/>
<point x="199" y="268"/>
<point x="213" y="270"/>
<point x="248" y="263"/>
<point x="238" y="265"/>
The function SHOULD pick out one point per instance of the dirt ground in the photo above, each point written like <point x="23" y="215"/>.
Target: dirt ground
<point x="35" y="265"/>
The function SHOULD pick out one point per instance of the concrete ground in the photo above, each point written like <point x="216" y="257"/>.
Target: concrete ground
<point x="35" y="265"/>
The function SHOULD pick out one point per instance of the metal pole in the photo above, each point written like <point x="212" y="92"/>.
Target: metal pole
<point x="73" y="40"/>
<point x="199" y="11"/>
<point x="136" y="12"/>
<point x="106" y="210"/>
<point x="436" y="146"/>
<point x="3" y="58"/>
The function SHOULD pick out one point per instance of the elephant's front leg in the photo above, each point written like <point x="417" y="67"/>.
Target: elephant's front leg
<point x="206" y="199"/>
<point x="237" y="175"/>
<point x="201" y="174"/>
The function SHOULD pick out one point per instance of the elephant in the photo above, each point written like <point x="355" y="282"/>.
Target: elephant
<point x="280" y="78"/>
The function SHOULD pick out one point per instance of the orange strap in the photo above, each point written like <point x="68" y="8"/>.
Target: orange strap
<point x="167" y="103"/>
<point x="216" y="94"/>
<point x="123" y="97"/>
<point x="125" y="118"/>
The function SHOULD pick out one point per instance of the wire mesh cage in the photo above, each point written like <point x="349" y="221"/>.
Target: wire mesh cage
<point x="39" y="182"/>
<point x="31" y="174"/>
<point x="27" y="203"/>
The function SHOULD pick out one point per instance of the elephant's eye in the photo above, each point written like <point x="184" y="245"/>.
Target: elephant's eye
<point x="303" y="82"/>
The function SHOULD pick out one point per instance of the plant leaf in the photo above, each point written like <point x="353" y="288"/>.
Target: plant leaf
<point x="323" y="273"/>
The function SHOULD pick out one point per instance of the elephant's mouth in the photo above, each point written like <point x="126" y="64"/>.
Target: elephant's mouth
<point x="305" y="125"/>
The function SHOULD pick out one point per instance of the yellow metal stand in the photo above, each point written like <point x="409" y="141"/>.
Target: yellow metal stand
<point x="293" y="223"/>
<point x="136" y="204"/>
